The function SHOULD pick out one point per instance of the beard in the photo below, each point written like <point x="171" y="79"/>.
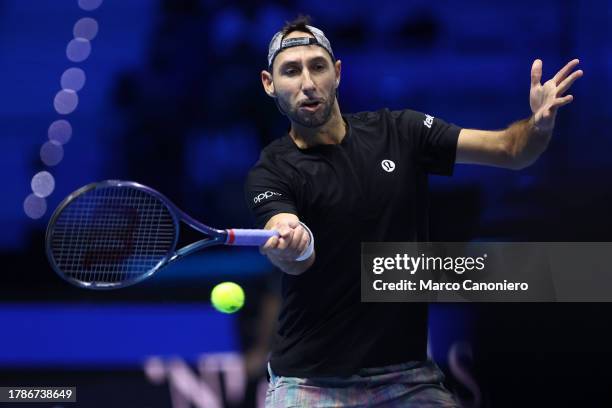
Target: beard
<point x="310" y="119"/>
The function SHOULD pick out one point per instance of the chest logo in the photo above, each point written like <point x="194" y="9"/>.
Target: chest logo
<point x="387" y="165"/>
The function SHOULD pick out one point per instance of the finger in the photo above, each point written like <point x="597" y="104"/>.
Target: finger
<point x="282" y="244"/>
<point x="536" y="72"/>
<point x="285" y="232"/>
<point x="304" y="242"/>
<point x="567" y="82"/>
<point x="271" y="243"/>
<point x="293" y="223"/>
<point x="281" y="227"/>
<point x="268" y="247"/>
<point x="563" y="101"/>
<point x="569" y="67"/>
<point x="297" y="238"/>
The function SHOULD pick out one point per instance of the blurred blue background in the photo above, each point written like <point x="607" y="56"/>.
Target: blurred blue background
<point x="172" y="98"/>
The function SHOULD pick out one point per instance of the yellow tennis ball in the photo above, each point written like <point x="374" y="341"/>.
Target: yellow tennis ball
<point x="227" y="297"/>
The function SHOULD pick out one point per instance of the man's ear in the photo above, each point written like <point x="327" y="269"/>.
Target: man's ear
<point x="338" y="69"/>
<point x="268" y="83"/>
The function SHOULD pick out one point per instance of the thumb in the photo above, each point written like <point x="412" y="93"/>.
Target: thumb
<point x="536" y="72"/>
<point x="293" y="223"/>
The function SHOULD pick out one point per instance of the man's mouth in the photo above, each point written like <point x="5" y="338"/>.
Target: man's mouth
<point x="310" y="105"/>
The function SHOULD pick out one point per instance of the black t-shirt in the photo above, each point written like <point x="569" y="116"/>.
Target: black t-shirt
<point x="372" y="187"/>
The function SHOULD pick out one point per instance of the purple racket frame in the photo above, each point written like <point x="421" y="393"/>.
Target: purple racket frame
<point x="232" y="236"/>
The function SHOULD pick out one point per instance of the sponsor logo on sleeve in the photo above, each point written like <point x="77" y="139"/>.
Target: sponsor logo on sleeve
<point x="428" y="121"/>
<point x="265" y="196"/>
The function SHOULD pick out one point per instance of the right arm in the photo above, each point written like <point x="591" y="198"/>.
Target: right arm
<point x="292" y="241"/>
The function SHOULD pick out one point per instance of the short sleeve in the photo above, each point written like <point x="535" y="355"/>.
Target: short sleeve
<point x="268" y="192"/>
<point x="433" y="140"/>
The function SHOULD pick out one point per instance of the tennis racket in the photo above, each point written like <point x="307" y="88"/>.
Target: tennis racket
<point x="114" y="234"/>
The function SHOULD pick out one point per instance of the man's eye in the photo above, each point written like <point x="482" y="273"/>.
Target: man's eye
<point x="319" y="67"/>
<point x="290" y="71"/>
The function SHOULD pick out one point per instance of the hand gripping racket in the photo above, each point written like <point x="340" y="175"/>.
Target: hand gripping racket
<point x="114" y="234"/>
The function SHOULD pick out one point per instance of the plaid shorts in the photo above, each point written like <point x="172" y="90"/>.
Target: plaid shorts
<point x="412" y="384"/>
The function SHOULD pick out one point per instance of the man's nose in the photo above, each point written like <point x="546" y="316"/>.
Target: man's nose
<point x="307" y="82"/>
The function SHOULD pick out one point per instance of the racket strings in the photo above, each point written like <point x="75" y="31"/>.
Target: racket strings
<point x="112" y="235"/>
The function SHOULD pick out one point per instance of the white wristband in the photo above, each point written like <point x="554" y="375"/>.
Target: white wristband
<point x="309" y="249"/>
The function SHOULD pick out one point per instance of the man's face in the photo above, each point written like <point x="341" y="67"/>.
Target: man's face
<point x="304" y="80"/>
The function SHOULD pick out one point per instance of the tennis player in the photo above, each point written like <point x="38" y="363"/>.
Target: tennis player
<point x="335" y="180"/>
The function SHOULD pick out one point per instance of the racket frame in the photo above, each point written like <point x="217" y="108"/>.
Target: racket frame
<point x="215" y="236"/>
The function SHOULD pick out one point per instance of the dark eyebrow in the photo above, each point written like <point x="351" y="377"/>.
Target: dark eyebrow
<point x="288" y="63"/>
<point x="318" y="58"/>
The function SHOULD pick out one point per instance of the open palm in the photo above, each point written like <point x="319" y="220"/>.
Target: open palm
<point x="546" y="98"/>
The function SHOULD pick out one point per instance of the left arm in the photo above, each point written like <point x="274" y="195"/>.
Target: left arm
<point x="519" y="145"/>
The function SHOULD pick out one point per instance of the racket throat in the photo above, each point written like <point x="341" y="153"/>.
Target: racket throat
<point x="194" y="247"/>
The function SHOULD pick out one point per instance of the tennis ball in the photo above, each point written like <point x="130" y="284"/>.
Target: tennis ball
<point x="227" y="297"/>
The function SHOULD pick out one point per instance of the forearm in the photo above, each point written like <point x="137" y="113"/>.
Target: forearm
<point x="525" y="143"/>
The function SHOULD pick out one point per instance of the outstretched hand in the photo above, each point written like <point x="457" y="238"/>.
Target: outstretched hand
<point x="546" y="98"/>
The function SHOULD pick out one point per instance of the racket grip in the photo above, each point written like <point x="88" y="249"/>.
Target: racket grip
<point x="249" y="237"/>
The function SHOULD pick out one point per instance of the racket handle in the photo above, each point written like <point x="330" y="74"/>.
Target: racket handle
<point x="249" y="237"/>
